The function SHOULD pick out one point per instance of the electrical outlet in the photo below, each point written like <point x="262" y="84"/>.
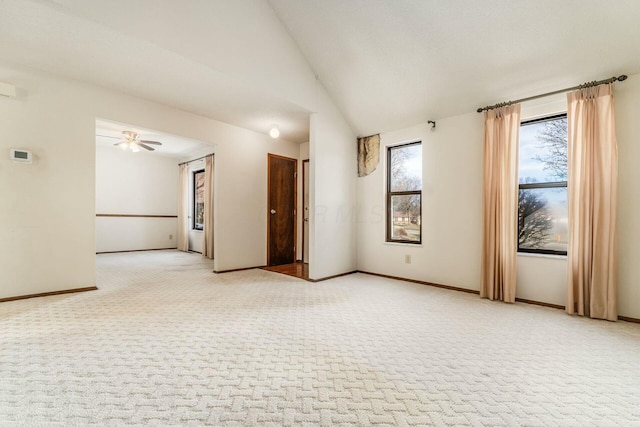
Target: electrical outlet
<point x="170" y="236"/>
<point x="407" y="259"/>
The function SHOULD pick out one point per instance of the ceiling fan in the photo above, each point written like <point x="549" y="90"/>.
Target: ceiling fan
<point x="131" y="140"/>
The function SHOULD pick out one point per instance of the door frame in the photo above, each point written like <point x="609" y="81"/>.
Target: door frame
<point x="295" y="204"/>
<point x="302" y="213"/>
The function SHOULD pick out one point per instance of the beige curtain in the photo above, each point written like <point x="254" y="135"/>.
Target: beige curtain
<point x="207" y="235"/>
<point x="592" y="193"/>
<point x="183" y="208"/>
<point x="500" y="203"/>
<point x="368" y="154"/>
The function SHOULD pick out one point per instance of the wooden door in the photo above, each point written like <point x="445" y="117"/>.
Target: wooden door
<point x="281" y="222"/>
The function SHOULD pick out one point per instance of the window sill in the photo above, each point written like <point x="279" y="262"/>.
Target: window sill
<point x="550" y="256"/>
<point x="412" y="245"/>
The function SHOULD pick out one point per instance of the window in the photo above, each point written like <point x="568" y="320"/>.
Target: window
<point x="404" y="193"/>
<point x="542" y="199"/>
<point x="198" y="200"/>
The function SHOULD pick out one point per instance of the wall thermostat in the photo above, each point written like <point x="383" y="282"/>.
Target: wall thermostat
<point x="21" y="155"/>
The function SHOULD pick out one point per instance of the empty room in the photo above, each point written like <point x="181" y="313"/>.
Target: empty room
<point x="319" y="213"/>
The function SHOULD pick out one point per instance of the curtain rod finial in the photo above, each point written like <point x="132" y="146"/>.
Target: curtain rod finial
<point x="622" y="78"/>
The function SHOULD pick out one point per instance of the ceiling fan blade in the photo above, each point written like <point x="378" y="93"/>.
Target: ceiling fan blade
<point x="151" y="142"/>
<point x="139" y="143"/>
<point x="109" y="136"/>
<point x="120" y="143"/>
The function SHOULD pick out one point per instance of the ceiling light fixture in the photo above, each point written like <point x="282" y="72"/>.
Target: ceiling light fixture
<point x="129" y="146"/>
<point x="274" y="132"/>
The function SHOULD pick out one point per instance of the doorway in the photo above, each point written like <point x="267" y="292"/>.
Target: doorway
<point x="281" y="212"/>
<point x="132" y="214"/>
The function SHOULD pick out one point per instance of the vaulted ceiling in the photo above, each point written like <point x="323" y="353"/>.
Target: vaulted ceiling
<point x="387" y="64"/>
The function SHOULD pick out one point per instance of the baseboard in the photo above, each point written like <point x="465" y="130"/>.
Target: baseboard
<point x="136" y="250"/>
<point x="238" y="269"/>
<point x="421" y="282"/>
<point x="331" y="277"/>
<point x="471" y="291"/>
<point x="46" y="294"/>
<point x="136" y="216"/>
<point x="543" y="304"/>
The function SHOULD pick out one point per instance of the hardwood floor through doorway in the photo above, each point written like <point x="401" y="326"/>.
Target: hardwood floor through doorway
<point x="296" y="269"/>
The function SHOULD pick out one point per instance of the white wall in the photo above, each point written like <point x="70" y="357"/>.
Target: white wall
<point x="47" y="209"/>
<point x="47" y="212"/>
<point x="452" y="208"/>
<point x="140" y="184"/>
<point x="333" y="170"/>
<point x="115" y="234"/>
<point x="627" y="98"/>
<point x="542" y="278"/>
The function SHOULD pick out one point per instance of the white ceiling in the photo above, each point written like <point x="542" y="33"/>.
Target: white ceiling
<point x="387" y="64"/>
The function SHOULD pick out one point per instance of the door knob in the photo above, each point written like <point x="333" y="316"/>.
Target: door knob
<point x="273" y="211"/>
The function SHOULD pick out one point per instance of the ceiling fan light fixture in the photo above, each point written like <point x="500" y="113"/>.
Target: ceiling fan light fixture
<point x="274" y="132"/>
<point x="131" y="142"/>
<point x="129" y="135"/>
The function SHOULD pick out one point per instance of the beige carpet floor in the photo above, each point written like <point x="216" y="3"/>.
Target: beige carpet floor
<point x="166" y="342"/>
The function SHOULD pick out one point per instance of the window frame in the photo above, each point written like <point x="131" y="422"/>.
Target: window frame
<point x="540" y="185"/>
<point x="193" y="204"/>
<point x="390" y="194"/>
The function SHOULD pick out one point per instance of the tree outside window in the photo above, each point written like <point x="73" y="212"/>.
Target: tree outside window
<point x="542" y="202"/>
<point x="404" y="193"/>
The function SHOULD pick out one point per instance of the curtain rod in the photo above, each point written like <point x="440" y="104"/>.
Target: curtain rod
<point x="195" y="160"/>
<point x="582" y="86"/>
